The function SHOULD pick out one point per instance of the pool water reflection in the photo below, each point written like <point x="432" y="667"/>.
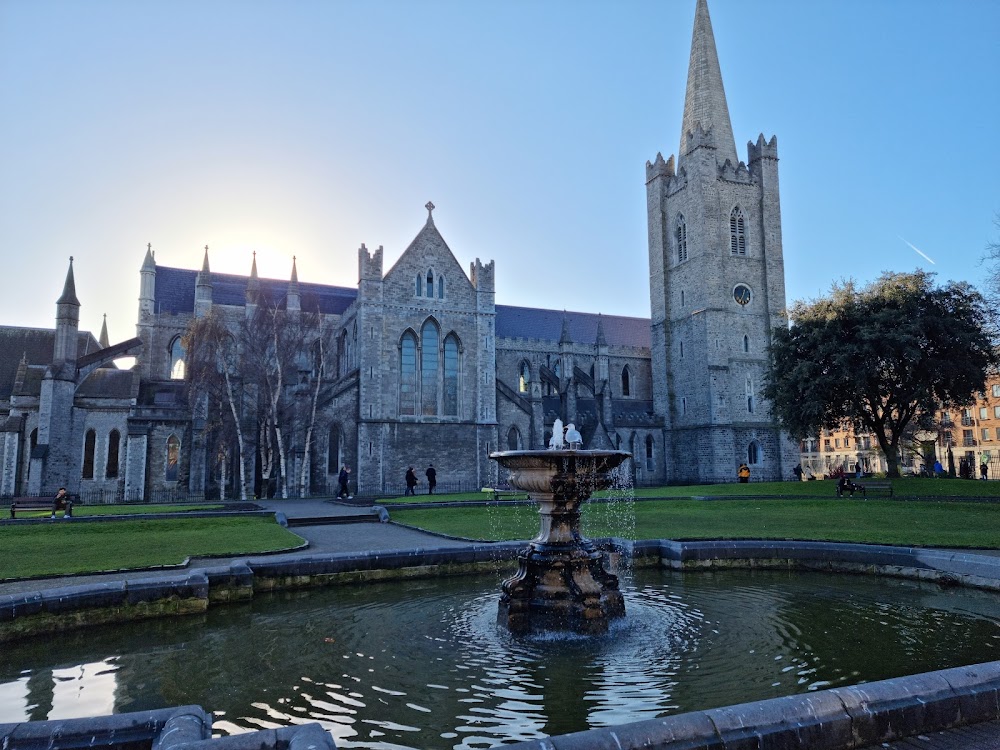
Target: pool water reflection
<point x="422" y="664"/>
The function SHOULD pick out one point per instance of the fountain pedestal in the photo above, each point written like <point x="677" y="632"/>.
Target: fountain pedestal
<point x="561" y="582"/>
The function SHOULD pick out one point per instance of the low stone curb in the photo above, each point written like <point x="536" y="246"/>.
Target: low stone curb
<point x="835" y="719"/>
<point x="182" y="728"/>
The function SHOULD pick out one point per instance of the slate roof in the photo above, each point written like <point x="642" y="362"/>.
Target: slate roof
<point x="546" y="325"/>
<point x="175" y="292"/>
<point x="36" y="344"/>
<point x="107" y="383"/>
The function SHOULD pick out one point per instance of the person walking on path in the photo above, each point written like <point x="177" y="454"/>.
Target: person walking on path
<point x="431" y="479"/>
<point x="411" y="482"/>
<point x="345" y="482"/>
<point x="984" y="471"/>
<point x="63" y="502"/>
<point x="743" y="473"/>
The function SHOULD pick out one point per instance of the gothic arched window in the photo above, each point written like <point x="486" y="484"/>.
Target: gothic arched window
<point x="746" y="343"/>
<point x="342" y="368"/>
<point x="513" y="439"/>
<point x="420" y="285"/>
<point x="440" y="287"/>
<point x="524" y="378"/>
<point x="177" y="355"/>
<point x="451" y="370"/>
<point x="753" y="453"/>
<point x="750" y="395"/>
<point x="649" y="453"/>
<point x="172" y="464"/>
<point x="681" y="239"/>
<point x="626" y="382"/>
<point x="430" y="284"/>
<point x="737" y="232"/>
<point x="408" y="374"/>
<point x="333" y="451"/>
<point x="429" y="364"/>
<point x="114" y="446"/>
<point x="89" y="446"/>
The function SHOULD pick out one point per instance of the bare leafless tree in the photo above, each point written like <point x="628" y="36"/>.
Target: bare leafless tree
<point x="213" y="364"/>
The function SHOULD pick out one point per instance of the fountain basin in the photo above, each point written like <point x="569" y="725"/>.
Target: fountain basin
<point x="562" y="582"/>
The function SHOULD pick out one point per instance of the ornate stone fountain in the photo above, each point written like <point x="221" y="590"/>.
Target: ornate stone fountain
<point x="561" y="582"/>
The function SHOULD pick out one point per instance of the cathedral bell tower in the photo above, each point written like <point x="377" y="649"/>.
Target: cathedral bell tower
<point x="717" y="286"/>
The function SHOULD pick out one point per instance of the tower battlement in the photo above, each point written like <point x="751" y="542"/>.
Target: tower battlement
<point x="699" y="138"/>
<point x="483" y="275"/>
<point x="739" y="173"/>
<point x="659" y="168"/>
<point x="762" y="149"/>
<point x="369" y="264"/>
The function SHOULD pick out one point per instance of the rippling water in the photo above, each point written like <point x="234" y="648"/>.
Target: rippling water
<point x="422" y="664"/>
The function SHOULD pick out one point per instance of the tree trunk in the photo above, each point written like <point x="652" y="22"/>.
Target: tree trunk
<point x="307" y="455"/>
<point x="239" y="434"/>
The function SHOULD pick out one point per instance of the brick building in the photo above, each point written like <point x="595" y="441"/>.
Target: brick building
<point x="971" y="433"/>
<point x="428" y="368"/>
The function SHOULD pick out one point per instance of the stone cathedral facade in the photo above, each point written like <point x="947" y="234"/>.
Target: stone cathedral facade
<point x="427" y="368"/>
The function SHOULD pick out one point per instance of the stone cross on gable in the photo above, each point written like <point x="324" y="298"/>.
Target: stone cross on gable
<point x="430" y="208"/>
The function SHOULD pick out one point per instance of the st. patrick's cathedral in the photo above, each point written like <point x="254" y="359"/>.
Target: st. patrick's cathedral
<point x="427" y="368"/>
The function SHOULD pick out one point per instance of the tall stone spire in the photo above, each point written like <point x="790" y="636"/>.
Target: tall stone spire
<point x="67" y="320"/>
<point x="253" y="286"/>
<point x="203" y="288"/>
<point x="104" y="341"/>
<point x="705" y="99"/>
<point x="68" y="296"/>
<point x="293" y="301"/>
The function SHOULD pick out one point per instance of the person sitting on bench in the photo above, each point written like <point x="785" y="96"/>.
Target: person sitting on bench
<point x="63" y="502"/>
<point x="846" y="485"/>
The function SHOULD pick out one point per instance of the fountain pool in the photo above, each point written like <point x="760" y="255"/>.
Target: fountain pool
<point x="423" y="664"/>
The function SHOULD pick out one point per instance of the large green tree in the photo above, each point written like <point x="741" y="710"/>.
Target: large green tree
<point x="880" y="357"/>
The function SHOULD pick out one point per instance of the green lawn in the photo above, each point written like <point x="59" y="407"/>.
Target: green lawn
<point x="68" y="547"/>
<point x="910" y="487"/>
<point x="940" y="524"/>
<point x="114" y="510"/>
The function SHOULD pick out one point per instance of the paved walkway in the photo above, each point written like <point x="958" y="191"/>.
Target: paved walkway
<point x="324" y="538"/>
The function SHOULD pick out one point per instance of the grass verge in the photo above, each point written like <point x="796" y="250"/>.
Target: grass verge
<point x="909" y="487"/>
<point x="114" y="510"/>
<point x="63" y="548"/>
<point x="952" y="524"/>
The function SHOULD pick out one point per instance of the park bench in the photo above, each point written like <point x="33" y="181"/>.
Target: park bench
<point x="22" y="504"/>
<point x="878" y="487"/>
<point x="492" y="493"/>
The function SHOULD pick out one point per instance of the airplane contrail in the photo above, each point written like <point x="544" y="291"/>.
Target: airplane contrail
<point x="919" y="252"/>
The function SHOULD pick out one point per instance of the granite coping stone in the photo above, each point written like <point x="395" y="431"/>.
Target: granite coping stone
<point x="834" y="719"/>
<point x="180" y="728"/>
<point x="100" y="731"/>
<point x="943" y="561"/>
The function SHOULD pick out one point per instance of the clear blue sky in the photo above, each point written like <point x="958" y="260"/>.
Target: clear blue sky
<point x="306" y="128"/>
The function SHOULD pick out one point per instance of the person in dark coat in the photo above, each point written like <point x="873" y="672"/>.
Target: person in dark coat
<point x="431" y="479"/>
<point x="345" y="482"/>
<point x="411" y="481"/>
